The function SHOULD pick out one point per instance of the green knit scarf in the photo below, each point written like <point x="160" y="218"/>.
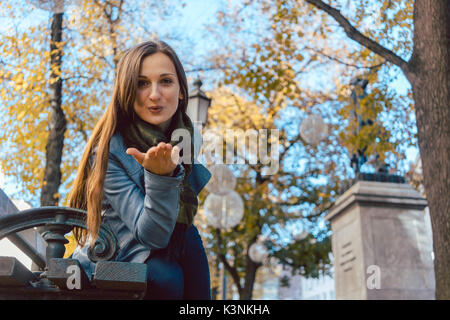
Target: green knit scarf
<point x="142" y="136"/>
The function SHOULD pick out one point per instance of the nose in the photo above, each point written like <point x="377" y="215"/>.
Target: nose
<point x="154" y="93"/>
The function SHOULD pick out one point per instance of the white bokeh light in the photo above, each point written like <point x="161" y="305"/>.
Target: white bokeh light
<point x="258" y="252"/>
<point x="313" y="129"/>
<point x="222" y="180"/>
<point x="299" y="235"/>
<point x="55" y="6"/>
<point x="224" y="211"/>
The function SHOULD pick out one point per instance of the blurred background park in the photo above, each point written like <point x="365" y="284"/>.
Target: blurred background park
<point x="339" y="107"/>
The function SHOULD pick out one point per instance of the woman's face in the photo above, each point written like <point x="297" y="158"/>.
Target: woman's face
<point x="158" y="90"/>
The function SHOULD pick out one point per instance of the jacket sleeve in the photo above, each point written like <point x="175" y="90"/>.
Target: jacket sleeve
<point x="151" y="217"/>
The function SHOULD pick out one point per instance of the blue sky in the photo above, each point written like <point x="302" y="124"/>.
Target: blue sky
<point x="190" y="22"/>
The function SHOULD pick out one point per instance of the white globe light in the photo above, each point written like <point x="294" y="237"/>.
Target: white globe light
<point x="222" y="180"/>
<point x="55" y="6"/>
<point x="258" y="252"/>
<point x="223" y="211"/>
<point x="313" y="129"/>
<point x="299" y="235"/>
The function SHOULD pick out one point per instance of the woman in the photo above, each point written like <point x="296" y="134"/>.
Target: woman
<point x="130" y="170"/>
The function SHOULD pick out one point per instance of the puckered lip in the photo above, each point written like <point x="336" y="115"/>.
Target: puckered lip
<point x="155" y="109"/>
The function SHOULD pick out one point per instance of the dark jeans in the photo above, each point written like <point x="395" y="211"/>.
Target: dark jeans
<point x="179" y="271"/>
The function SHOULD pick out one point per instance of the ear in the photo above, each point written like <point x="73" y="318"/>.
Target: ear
<point x="180" y="96"/>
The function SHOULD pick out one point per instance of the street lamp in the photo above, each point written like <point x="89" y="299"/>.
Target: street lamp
<point x="223" y="207"/>
<point x="198" y="104"/>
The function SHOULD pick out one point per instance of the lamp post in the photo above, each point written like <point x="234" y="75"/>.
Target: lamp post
<point x="198" y="104"/>
<point x="223" y="208"/>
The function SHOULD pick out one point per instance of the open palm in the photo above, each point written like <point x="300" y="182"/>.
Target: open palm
<point x="161" y="159"/>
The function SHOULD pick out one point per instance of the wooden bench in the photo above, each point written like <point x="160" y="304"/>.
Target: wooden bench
<point x="61" y="278"/>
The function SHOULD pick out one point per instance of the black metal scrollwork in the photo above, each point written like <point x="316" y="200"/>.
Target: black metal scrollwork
<point x="57" y="222"/>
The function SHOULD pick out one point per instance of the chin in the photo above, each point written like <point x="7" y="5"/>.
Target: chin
<point x="158" y="122"/>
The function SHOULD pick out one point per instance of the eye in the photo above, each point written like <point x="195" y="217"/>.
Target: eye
<point x="166" y="81"/>
<point x="143" y="83"/>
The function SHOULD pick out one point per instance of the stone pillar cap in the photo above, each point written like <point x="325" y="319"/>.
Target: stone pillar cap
<point x="378" y="194"/>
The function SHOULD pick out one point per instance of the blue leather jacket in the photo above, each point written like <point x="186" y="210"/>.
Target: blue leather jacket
<point x="141" y="208"/>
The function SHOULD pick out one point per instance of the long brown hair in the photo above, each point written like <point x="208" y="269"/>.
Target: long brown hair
<point x="87" y="189"/>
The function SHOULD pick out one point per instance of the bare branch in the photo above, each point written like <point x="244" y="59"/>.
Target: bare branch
<point x="212" y="68"/>
<point x="344" y="63"/>
<point x="354" y="34"/>
<point x="291" y="143"/>
<point x="80" y="127"/>
<point x="87" y="78"/>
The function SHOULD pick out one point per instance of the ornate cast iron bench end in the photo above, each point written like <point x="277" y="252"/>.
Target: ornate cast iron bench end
<point x="65" y="278"/>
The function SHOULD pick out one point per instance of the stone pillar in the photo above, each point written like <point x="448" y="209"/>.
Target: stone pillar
<point x="381" y="245"/>
<point x="29" y="237"/>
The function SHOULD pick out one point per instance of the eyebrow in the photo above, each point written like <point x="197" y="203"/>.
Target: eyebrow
<point x="161" y="75"/>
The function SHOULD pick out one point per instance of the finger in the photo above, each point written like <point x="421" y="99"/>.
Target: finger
<point x="163" y="150"/>
<point x="159" y="151"/>
<point x="139" y="156"/>
<point x="151" y="149"/>
<point x="161" y="145"/>
<point x="167" y="148"/>
<point x="175" y="155"/>
<point x="151" y="153"/>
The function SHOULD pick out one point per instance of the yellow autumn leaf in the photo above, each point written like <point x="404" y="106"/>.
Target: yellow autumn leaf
<point x="21" y="115"/>
<point x="70" y="246"/>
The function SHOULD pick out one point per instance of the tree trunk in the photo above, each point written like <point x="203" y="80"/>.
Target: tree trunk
<point x="57" y="123"/>
<point x="246" y="292"/>
<point x="428" y="71"/>
<point x="430" y="79"/>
